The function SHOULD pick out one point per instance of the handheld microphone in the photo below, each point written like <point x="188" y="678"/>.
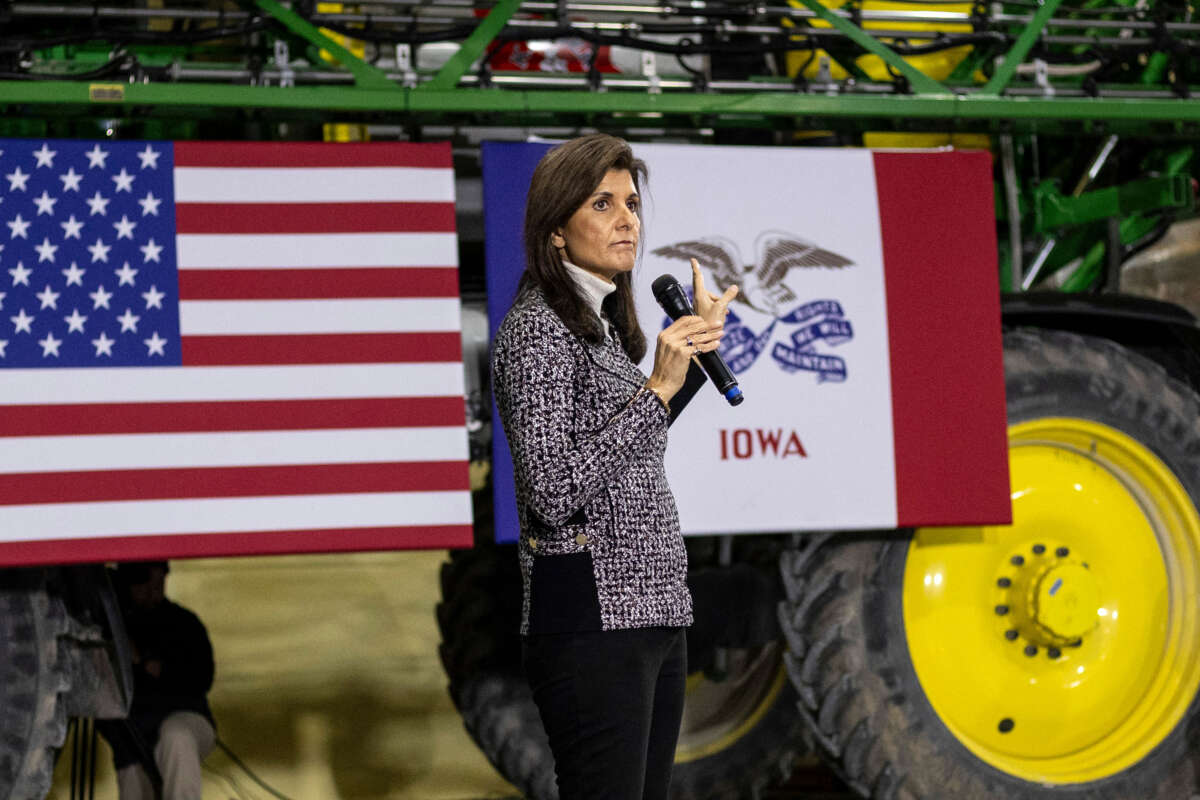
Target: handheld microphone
<point x="671" y="297"/>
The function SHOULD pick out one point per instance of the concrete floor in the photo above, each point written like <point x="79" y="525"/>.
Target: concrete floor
<point x="328" y="681"/>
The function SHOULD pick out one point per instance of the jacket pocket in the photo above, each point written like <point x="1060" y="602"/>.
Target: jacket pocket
<point x="562" y="594"/>
<point x="573" y="526"/>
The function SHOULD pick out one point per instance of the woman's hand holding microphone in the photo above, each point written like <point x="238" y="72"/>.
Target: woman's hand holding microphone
<point x="688" y="336"/>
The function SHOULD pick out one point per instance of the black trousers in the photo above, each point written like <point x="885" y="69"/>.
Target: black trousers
<point x="611" y="702"/>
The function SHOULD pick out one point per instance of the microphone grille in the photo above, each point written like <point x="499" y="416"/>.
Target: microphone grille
<point x="662" y="284"/>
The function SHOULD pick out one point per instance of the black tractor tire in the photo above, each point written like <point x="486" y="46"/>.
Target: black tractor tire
<point x="479" y="618"/>
<point x="756" y="756"/>
<point x="863" y="706"/>
<point x="33" y="678"/>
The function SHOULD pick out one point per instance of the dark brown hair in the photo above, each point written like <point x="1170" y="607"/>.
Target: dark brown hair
<point x="564" y="178"/>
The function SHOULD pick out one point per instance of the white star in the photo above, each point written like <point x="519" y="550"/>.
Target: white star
<point x="45" y="203"/>
<point x="124" y="227"/>
<point x="46" y="251"/>
<point x="98" y="204"/>
<point x="20" y="274"/>
<point x="45" y="156"/>
<point x="2" y="296"/>
<point x="150" y="204"/>
<point x="128" y="321"/>
<point x="149" y="157"/>
<point x="100" y="298"/>
<point x="103" y="344"/>
<point x="154" y="297"/>
<point x="49" y="345"/>
<point x="74" y="274"/>
<point x="125" y="273"/>
<point x="49" y="298"/>
<point x="124" y="181"/>
<point x="19" y="227"/>
<point x="154" y="345"/>
<point x="71" y="180"/>
<point x="96" y="157"/>
<point x="150" y="251"/>
<point x="17" y="177"/>
<point x="71" y="228"/>
<point x="22" y="322"/>
<point x="99" y="251"/>
<point x="75" y="321"/>
<point x="3" y="344"/>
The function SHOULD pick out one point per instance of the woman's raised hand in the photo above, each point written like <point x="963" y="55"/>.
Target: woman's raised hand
<point x="708" y="305"/>
<point x="677" y="343"/>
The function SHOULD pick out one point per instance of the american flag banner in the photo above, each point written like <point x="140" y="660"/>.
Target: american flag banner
<point x="228" y="348"/>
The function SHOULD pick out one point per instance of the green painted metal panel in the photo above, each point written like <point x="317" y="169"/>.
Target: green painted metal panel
<point x="1053" y="209"/>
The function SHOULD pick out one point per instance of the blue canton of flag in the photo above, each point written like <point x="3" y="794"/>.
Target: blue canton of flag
<point x="87" y="254"/>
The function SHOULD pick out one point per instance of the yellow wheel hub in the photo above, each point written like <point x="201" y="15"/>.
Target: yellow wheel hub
<point x="1065" y="647"/>
<point x="1067" y="601"/>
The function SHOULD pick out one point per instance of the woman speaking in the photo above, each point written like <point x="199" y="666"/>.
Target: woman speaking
<point x="606" y="601"/>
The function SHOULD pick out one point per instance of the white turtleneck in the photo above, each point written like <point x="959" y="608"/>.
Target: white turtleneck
<point x="593" y="288"/>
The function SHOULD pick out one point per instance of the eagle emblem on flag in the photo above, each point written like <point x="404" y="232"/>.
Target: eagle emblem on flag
<point x="763" y="285"/>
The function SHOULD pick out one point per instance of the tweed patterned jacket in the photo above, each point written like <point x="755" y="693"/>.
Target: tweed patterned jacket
<point x="600" y="546"/>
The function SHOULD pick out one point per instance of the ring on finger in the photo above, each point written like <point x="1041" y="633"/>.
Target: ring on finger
<point x="690" y="343"/>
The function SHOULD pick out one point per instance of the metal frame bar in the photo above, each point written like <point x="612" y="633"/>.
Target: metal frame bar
<point x="919" y="81"/>
<point x="103" y="97"/>
<point x="365" y="75"/>
<point x="473" y="46"/>
<point x="1014" y="57"/>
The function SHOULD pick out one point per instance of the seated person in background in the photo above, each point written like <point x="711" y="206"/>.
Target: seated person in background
<point x="173" y="671"/>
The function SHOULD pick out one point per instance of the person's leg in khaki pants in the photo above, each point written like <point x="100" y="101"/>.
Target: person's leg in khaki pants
<point x="134" y="784"/>
<point x="184" y="739"/>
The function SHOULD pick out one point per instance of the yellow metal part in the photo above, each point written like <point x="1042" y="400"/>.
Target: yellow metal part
<point x="355" y="46"/>
<point x="1080" y="683"/>
<point x="342" y="131"/>
<point x="345" y="132"/>
<point x="936" y="65"/>
<point x="1067" y="601"/>
<point x="884" y="140"/>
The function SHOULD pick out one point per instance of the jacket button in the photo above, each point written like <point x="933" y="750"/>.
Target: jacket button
<point x="581" y="540"/>
<point x="532" y="544"/>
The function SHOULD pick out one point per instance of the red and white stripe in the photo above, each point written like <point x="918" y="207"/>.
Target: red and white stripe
<point x="320" y="402"/>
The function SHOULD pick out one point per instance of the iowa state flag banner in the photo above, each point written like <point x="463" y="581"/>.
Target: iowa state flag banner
<point x="866" y="335"/>
<point x="222" y="348"/>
